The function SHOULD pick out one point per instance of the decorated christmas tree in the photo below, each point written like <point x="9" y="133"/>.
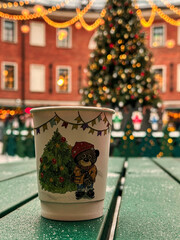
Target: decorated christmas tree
<point x="119" y="67"/>
<point x="56" y="166"/>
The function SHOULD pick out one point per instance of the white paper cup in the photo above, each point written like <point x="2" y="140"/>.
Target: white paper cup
<point x="72" y="151"/>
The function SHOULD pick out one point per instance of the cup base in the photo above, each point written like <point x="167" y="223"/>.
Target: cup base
<point x="72" y="212"/>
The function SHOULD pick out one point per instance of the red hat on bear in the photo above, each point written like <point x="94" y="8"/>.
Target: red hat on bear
<point x="81" y="147"/>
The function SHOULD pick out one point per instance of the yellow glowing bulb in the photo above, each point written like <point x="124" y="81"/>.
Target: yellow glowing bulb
<point x="25" y="28"/>
<point x="131" y="137"/>
<point x="170" y="140"/>
<point x="38" y="8"/>
<point x="104" y="88"/>
<point x="5" y="73"/>
<point x="62" y="34"/>
<point x="148" y="130"/>
<point x="109" y="56"/>
<point x="25" y="12"/>
<point x="90" y="95"/>
<point x="60" y="81"/>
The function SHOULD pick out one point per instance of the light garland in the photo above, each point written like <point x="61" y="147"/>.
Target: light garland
<point x="171" y="7"/>
<point x="142" y="19"/>
<point x="71" y="21"/>
<point x="15" y="4"/>
<point x="39" y="13"/>
<point x="163" y="15"/>
<point x="44" y="12"/>
<point x="174" y="115"/>
<point x="93" y="26"/>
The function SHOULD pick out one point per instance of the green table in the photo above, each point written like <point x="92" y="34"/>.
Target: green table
<point x="25" y="222"/>
<point x="170" y="165"/>
<point x="150" y="207"/>
<point x="147" y="207"/>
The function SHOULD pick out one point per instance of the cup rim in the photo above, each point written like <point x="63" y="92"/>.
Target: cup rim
<point x="82" y="108"/>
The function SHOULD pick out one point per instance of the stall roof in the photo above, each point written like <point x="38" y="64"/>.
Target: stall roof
<point x="98" y="4"/>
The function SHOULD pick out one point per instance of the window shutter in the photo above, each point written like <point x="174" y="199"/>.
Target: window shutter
<point x="37" y="34"/>
<point x="37" y="78"/>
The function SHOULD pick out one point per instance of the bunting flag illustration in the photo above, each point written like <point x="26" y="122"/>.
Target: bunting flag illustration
<point x="45" y="127"/>
<point x="90" y="125"/>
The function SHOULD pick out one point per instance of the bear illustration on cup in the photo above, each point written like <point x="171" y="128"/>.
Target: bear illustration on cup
<point x="85" y="171"/>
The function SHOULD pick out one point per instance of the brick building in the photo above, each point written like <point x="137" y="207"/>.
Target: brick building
<point x="39" y="69"/>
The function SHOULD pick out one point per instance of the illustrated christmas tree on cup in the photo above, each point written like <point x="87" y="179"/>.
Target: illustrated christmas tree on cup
<point x="57" y="165"/>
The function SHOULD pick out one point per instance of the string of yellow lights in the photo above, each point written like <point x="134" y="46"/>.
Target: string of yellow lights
<point x="171" y="6"/>
<point x="40" y="11"/>
<point x="164" y="16"/>
<point x="15" y="4"/>
<point x="143" y="21"/>
<point x="71" y="21"/>
<point x="93" y="26"/>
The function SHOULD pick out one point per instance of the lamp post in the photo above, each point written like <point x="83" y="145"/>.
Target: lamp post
<point x="24" y="30"/>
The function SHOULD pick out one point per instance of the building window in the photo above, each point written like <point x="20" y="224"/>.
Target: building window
<point x="9" y="32"/>
<point x="9" y="76"/>
<point x="158" y="36"/>
<point x="37" y="34"/>
<point x="63" y="79"/>
<point x="178" y="78"/>
<point x="37" y="78"/>
<point x="64" y="37"/>
<point x="160" y="77"/>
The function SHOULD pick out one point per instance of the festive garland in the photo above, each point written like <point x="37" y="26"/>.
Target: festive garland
<point x="80" y="122"/>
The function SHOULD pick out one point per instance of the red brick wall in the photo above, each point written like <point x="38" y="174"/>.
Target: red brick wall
<point x="75" y="56"/>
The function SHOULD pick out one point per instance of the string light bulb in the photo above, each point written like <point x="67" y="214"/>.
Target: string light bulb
<point x="60" y="81"/>
<point x="62" y="34"/>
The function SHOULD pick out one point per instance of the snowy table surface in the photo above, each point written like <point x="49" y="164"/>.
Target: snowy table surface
<point x="21" y="213"/>
<point x="150" y="207"/>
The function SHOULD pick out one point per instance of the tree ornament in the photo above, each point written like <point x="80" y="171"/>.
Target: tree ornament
<point x="136" y="36"/>
<point x="42" y="175"/>
<point x="61" y="168"/>
<point x="142" y="74"/>
<point x="41" y="159"/>
<point x="63" y="139"/>
<point x="51" y="180"/>
<point x="57" y="145"/>
<point x="111" y="45"/>
<point x="54" y="161"/>
<point x="61" y="179"/>
<point x="104" y="67"/>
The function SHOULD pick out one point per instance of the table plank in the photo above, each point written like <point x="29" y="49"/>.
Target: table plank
<point x="27" y="223"/>
<point x="14" y="192"/>
<point x="13" y="169"/>
<point x="170" y="165"/>
<point x="150" y="207"/>
<point x="115" y="164"/>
